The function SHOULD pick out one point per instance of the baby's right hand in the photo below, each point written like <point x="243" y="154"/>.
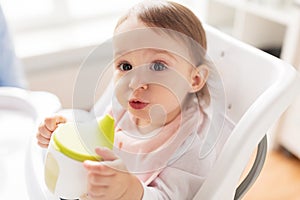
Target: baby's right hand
<point x="46" y="129"/>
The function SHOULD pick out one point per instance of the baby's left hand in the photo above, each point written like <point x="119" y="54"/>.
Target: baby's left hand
<point x="109" y="179"/>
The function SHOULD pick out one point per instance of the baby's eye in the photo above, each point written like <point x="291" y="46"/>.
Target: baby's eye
<point x="125" y="67"/>
<point x="158" y="66"/>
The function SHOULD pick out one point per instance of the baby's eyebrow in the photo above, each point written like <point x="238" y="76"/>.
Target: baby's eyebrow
<point x="162" y="51"/>
<point x="165" y="52"/>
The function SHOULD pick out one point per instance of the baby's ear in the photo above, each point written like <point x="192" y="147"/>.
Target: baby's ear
<point x="199" y="77"/>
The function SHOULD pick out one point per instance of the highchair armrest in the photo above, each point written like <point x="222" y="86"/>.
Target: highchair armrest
<point x="44" y="102"/>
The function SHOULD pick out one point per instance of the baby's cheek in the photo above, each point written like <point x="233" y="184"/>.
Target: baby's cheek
<point x="171" y="100"/>
<point x="116" y="77"/>
<point x="122" y="95"/>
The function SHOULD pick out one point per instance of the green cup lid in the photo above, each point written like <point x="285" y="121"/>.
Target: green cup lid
<point x="78" y="140"/>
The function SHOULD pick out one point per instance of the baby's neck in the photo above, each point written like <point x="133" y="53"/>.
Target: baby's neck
<point x="146" y="127"/>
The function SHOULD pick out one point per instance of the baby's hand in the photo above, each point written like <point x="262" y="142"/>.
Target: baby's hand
<point x="109" y="179"/>
<point x="46" y="129"/>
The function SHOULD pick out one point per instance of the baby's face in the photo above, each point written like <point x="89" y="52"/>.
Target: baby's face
<point x="151" y="72"/>
<point x="151" y="83"/>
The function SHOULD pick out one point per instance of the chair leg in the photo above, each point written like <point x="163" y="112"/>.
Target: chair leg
<point x="254" y="171"/>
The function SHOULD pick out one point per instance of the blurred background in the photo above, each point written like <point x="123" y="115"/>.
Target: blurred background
<point x="53" y="37"/>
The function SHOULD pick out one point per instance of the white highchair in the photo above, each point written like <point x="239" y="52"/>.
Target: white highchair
<point x="258" y="89"/>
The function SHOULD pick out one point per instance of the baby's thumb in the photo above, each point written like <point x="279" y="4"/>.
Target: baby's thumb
<point x="106" y="154"/>
<point x="110" y="159"/>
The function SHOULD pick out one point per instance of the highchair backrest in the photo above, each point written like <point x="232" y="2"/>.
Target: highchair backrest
<point x="258" y="89"/>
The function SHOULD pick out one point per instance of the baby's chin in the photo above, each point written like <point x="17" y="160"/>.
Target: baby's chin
<point x="140" y="118"/>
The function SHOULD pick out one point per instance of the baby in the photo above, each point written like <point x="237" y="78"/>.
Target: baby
<point x="159" y="105"/>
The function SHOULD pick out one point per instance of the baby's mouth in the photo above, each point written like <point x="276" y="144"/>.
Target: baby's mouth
<point x="137" y="104"/>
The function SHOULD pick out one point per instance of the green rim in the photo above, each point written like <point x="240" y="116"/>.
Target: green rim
<point x="73" y="154"/>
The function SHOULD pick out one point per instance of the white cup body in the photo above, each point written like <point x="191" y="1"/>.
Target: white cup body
<point x="65" y="177"/>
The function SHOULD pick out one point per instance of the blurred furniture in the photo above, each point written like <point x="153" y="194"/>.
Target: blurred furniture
<point x="289" y="129"/>
<point x="273" y="26"/>
<point x="261" y="23"/>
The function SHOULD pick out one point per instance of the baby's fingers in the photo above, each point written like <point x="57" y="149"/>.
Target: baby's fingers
<point x="52" y="122"/>
<point x="44" y="132"/>
<point x="84" y="197"/>
<point x="97" y="168"/>
<point x="43" y="142"/>
<point x="43" y="136"/>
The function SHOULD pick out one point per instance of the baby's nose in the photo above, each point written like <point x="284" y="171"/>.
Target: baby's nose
<point x="139" y="77"/>
<point x="137" y="83"/>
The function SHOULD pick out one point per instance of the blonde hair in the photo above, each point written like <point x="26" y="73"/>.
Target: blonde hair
<point x="169" y="15"/>
<point x="176" y="17"/>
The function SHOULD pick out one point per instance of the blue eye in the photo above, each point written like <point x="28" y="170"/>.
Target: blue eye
<point x="125" y="67"/>
<point x="158" y="66"/>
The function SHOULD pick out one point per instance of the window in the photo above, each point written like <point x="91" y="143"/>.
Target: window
<point x="42" y="27"/>
<point x="38" y="14"/>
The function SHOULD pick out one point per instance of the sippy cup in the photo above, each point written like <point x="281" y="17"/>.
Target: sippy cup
<point x="70" y="145"/>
